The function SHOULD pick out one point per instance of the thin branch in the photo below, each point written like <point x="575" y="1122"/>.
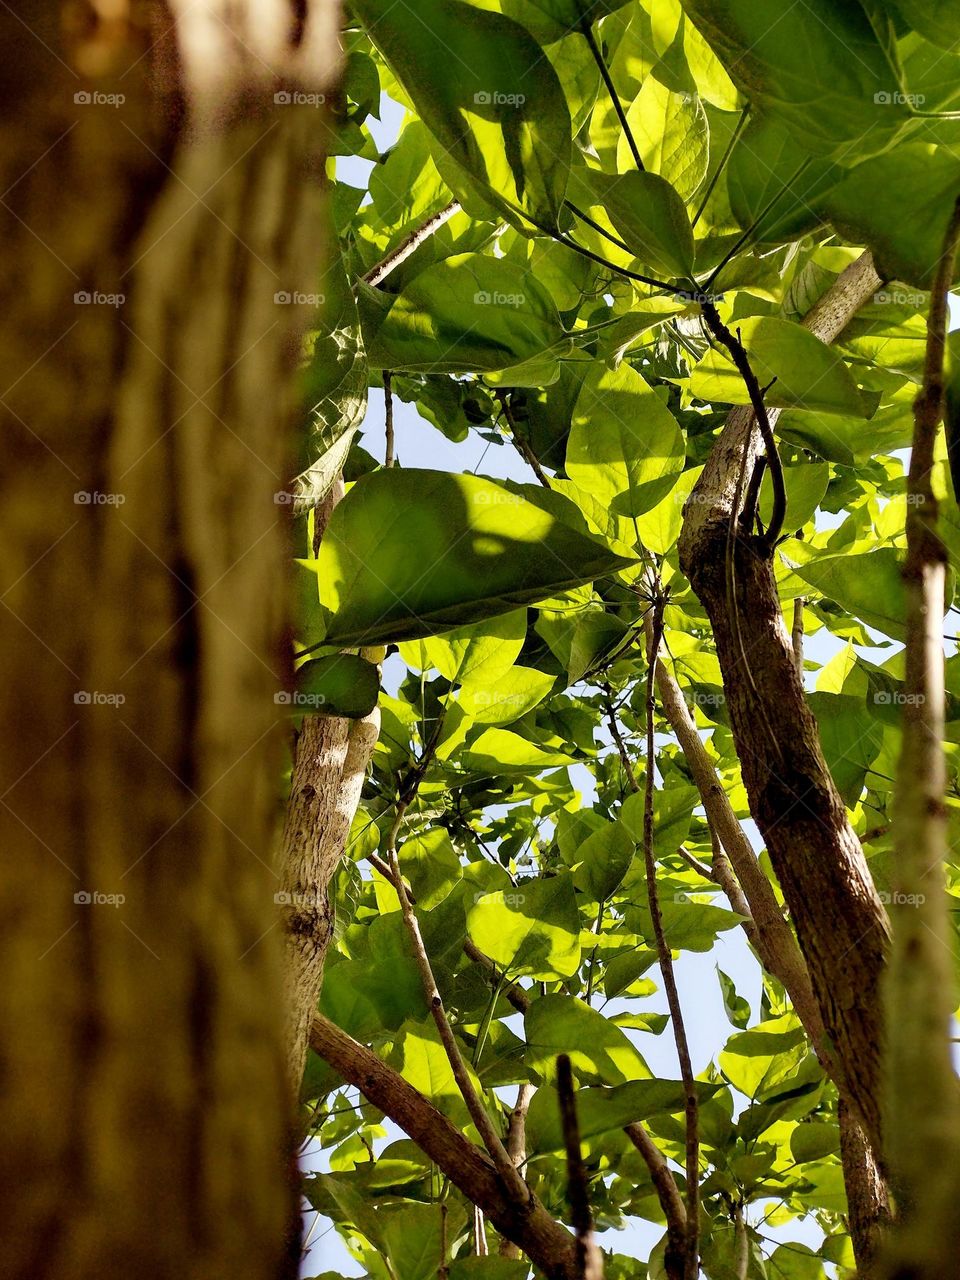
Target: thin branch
<point x="796" y="634"/>
<point x="728" y="151"/>
<point x="410" y="245"/>
<point x="545" y="1241"/>
<point x="589" y="1257"/>
<point x="923" y="1101"/>
<point x="388" y="417"/>
<point x="516" y="1186"/>
<point x="741" y="360"/>
<point x="517" y="1150"/>
<point x="671" y="1201"/>
<point x="692" y="1258"/>
<point x="741" y="1244"/>
<point x="701" y="868"/>
<point x="600" y="230"/>
<point x="604" y="70"/>
<point x="521" y="443"/>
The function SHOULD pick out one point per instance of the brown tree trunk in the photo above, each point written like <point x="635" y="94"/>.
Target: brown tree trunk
<point x="157" y="198"/>
<point x="841" y="924"/>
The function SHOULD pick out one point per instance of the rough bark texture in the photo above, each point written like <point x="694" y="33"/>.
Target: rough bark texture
<point x="840" y="922"/>
<point x="922" y="1097"/>
<point x="145" y="1120"/>
<point x="545" y="1241"/>
<point x="868" y="1207"/>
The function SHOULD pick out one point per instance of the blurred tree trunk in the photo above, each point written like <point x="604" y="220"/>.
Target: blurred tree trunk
<point x="156" y="199"/>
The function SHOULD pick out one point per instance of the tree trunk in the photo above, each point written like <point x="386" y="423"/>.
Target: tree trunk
<point x="157" y="198"/>
<point x="841" y="924"/>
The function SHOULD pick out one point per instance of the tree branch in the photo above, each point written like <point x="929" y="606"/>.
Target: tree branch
<point x="923" y="1099"/>
<point x="671" y="1201"/>
<point x="692" y="1249"/>
<point x="589" y="1257"/>
<point x="840" y="922"/>
<point x="410" y="245"/>
<point x="544" y="1240"/>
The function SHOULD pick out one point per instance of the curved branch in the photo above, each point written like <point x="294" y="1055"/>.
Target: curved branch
<point x="548" y="1244"/>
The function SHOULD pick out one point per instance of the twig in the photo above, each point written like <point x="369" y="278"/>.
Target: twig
<point x="620" y="744"/>
<point x="520" y="441"/>
<point x="741" y="1246"/>
<point x="602" y="67"/>
<point x="692" y="1258"/>
<point x="741" y="360"/>
<point x="589" y="1257"/>
<point x="796" y="634"/>
<point x="478" y="1113"/>
<point x="517" y="1150"/>
<point x="671" y="1201"/>
<point x="388" y="417"/>
<point x="701" y="868"/>
<point x="406" y="247"/>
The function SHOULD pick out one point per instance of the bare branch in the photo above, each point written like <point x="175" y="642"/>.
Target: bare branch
<point x="545" y="1241"/>
<point x="589" y="1257"/>
<point x="671" y="1201"/>
<point x="388" y="418"/>
<point x="410" y="245"/>
<point x="692" y="1254"/>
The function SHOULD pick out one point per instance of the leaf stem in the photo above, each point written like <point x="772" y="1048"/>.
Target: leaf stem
<point x="587" y="30"/>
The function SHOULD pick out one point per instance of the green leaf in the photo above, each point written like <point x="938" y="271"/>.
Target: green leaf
<point x="430" y="863"/>
<point x="737" y="1009"/>
<point x="808" y="374"/>
<point x="500" y="751"/>
<point x="818" y="66"/>
<point x="600" y="1052"/>
<point x="465" y="314"/>
<point x="482" y="652"/>
<point x="673" y="808"/>
<point x="340" y="685"/>
<point x="488" y="1268"/>
<point x="938" y="20"/>
<point x="851" y="739"/>
<point x="601" y="1109"/>
<point x="507" y="698"/>
<point x="672" y="135"/>
<point x="869" y="586"/>
<point x="649" y="215"/>
<point x="549" y="20"/>
<point x="482" y="85"/>
<point x="533" y="929"/>
<point x="899" y="205"/>
<point x="625" y="446"/>
<point x="604" y="858"/>
<point x="413" y="553"/>
<point x="770" y="170"/>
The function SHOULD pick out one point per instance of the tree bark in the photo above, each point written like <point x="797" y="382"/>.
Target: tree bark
<point x="840" y="922"/>
<point x="545" y="1241"/>
<point x="157" y="198"/>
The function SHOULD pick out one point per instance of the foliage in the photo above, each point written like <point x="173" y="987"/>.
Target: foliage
<point x="556" y="311"/>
